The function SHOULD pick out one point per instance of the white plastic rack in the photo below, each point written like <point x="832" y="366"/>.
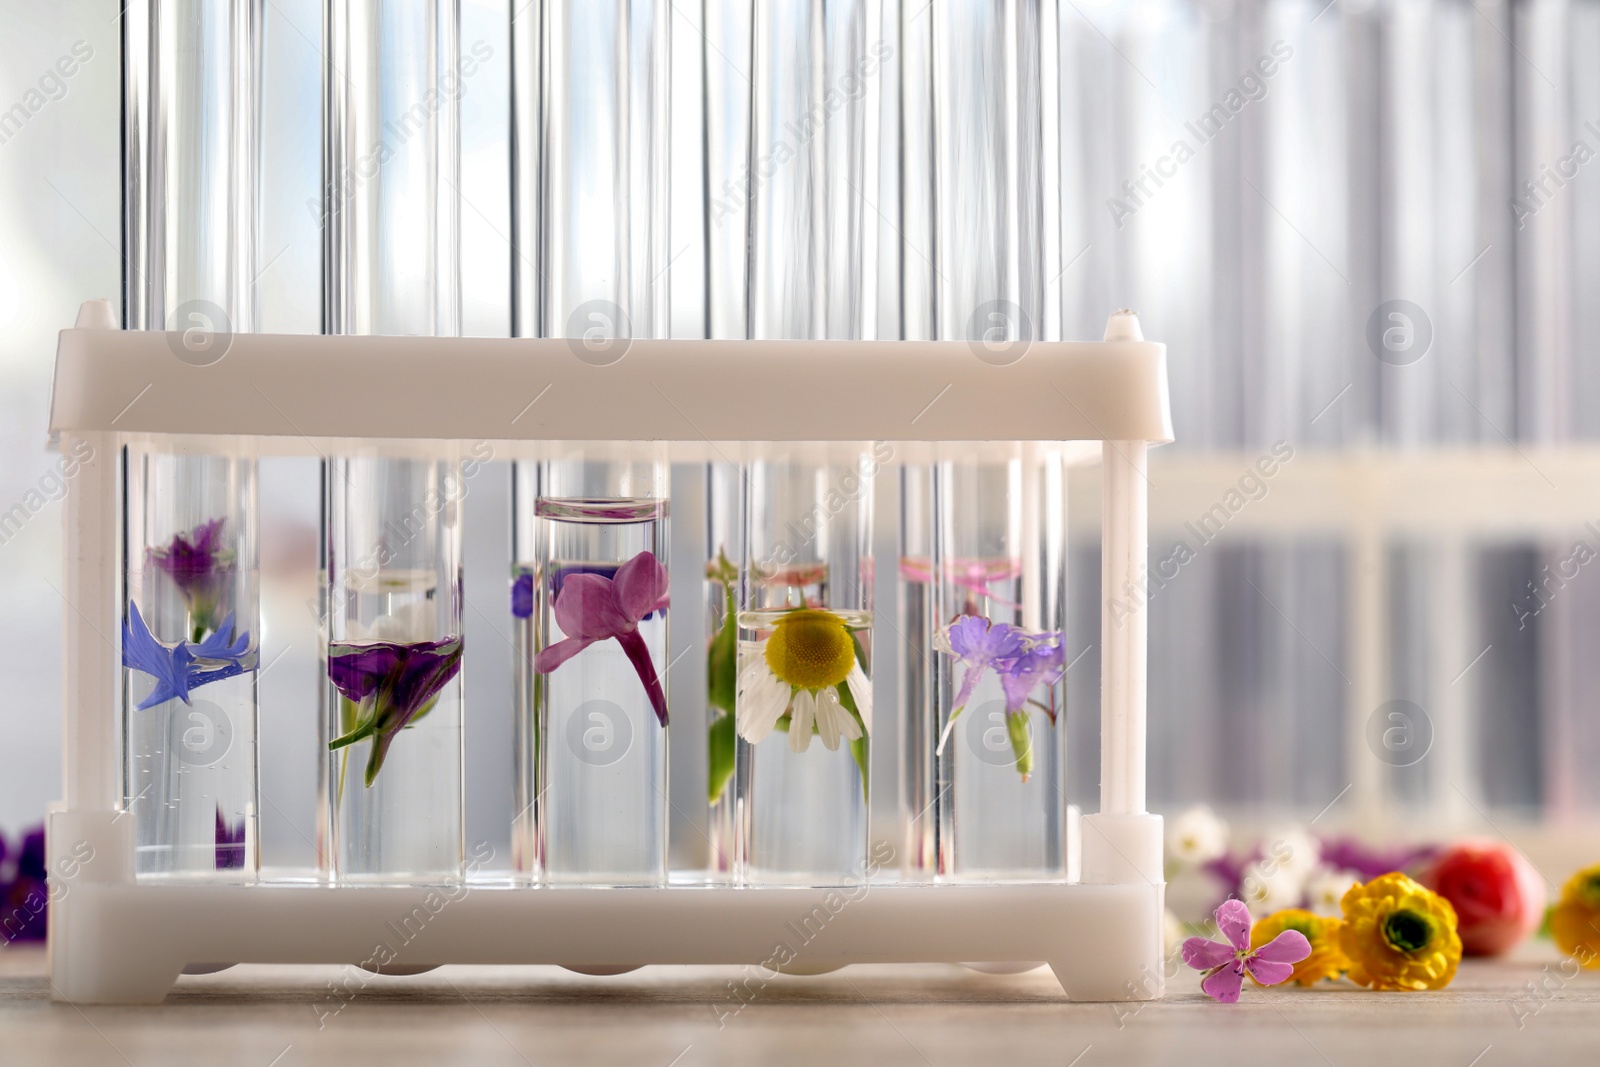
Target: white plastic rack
<point x="117" y="939"/>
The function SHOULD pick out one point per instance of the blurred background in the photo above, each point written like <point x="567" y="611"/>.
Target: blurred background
<point x="1369" y="233"/>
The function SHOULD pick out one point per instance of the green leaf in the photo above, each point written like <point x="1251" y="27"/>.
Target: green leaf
<point x="720" y="763"/>
<point x="353" y="725"/>
<point x="861" y="653"/>
<point x="363" y="731"/>
<point x="429" y="706"/>
<point x="860" y="748"/>
<point x="349" y="714"/>
<point x="722" y="658"/>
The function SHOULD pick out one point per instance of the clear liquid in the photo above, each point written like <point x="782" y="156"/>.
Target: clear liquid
<point x="525" y="738"/>
<point x="407" y="826"/>
<point x="803" y="815"/>
<point x="980" y="819"/>
<point x="919" y="768"/>
<point x="1003" y="828"/>
<point x="598" y="749"/>
<point x="191" y="771"/>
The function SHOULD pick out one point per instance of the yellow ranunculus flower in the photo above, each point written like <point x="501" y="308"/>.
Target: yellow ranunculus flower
<point x="1327" y="959"/>
<point x="1399" y="935"/>
<point x="1575" y="920"/>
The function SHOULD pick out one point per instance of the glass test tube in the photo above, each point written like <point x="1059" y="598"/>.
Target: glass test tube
<point x="804" y="718"/>
<point x="598" y="747"/>
<point x="391" y="97"/>
<point x="191" y="622"/>
<point x="395" y="705"/>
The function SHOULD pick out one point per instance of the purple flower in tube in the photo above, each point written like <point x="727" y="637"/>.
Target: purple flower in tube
<point x="199" y="566"/>
<point x="522" y="595"/>
<point x="1039" y="664"/>
<point x="1225" y="964"/>
<point x="592" y="607"/>
<point x="1022" y="661"/>
<point x="230" y="843"/>
<point x="180" y="669"/>
<point x="978" y="646"/>
<point x="391" y="685"/>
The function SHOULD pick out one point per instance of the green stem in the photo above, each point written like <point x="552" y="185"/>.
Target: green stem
<point x="1021" y="741"/>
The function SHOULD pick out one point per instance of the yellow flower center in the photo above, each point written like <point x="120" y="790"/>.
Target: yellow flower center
<point x="811" y="649"/>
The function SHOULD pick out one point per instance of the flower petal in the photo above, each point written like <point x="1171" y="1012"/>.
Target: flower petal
<point x="762" y="700"/>
<point x="1203" y="955"/>
<point x="1224" y="985"/>
<point x="1268" y="972"/>
<point x="861" y="692"/>
<point x="1042" y="664"/>
<point x="802" y="717"/>
<point x="638" y="654"/>
<point x="640" y="586"/>
<point x="1233" y="920"/>
<point x="967" y="636"/>
<point x="969" y="682"/>
<point x="1291" y="946"/>
<point x="552" y="656"/>
<point x="586" y="606"/>
<point x="828" y="712"/>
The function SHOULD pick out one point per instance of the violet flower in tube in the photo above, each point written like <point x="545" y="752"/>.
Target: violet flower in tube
<point x="978" y="646"/>
<point x="1023" y="662"/>
<point x="392" y="685"/>
<point x="178" y="670"/>
<point x="592" y="607"/>
<point x="1040" y="664"/>
<point x="522" y="595"/>
<point x="199" y="566"/>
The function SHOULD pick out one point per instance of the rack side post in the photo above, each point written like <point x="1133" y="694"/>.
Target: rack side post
<point x="90" y="622"/>
<point x="1124" y="627"/>
<point x="87" y="840"/>
<point x="1122" y="842"/>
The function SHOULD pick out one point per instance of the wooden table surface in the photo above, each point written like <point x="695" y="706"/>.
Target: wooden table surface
<point x="916" y="1015"/>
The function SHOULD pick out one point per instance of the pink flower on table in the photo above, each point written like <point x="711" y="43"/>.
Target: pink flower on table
<point x="1225" y="964"/>
<point x="592" y="607"/>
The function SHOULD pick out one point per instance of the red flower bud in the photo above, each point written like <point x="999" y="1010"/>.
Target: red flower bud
<point x="1499" y="898"/>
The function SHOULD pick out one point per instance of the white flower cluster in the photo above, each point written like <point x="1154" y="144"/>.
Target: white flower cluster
<point x="1289" y="875"/>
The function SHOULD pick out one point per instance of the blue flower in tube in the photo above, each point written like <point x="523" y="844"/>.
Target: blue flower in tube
<point x="180" y="669"/>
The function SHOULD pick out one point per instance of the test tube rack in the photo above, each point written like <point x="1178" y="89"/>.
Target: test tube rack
<point x="115" y="938"/>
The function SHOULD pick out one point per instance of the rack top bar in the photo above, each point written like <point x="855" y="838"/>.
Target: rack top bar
<point x="273" y="385"/>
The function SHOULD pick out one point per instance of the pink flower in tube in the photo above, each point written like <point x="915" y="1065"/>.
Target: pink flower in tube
<point x="592" y="607"/>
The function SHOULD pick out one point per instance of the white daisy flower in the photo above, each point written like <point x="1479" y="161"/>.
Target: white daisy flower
<point x="1325" y="890"/>
<point x="798" y="670"/>
<point x="1196" y="836"/>
<point x="1294" y="850"/>
<point x="1267" y="887"/>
